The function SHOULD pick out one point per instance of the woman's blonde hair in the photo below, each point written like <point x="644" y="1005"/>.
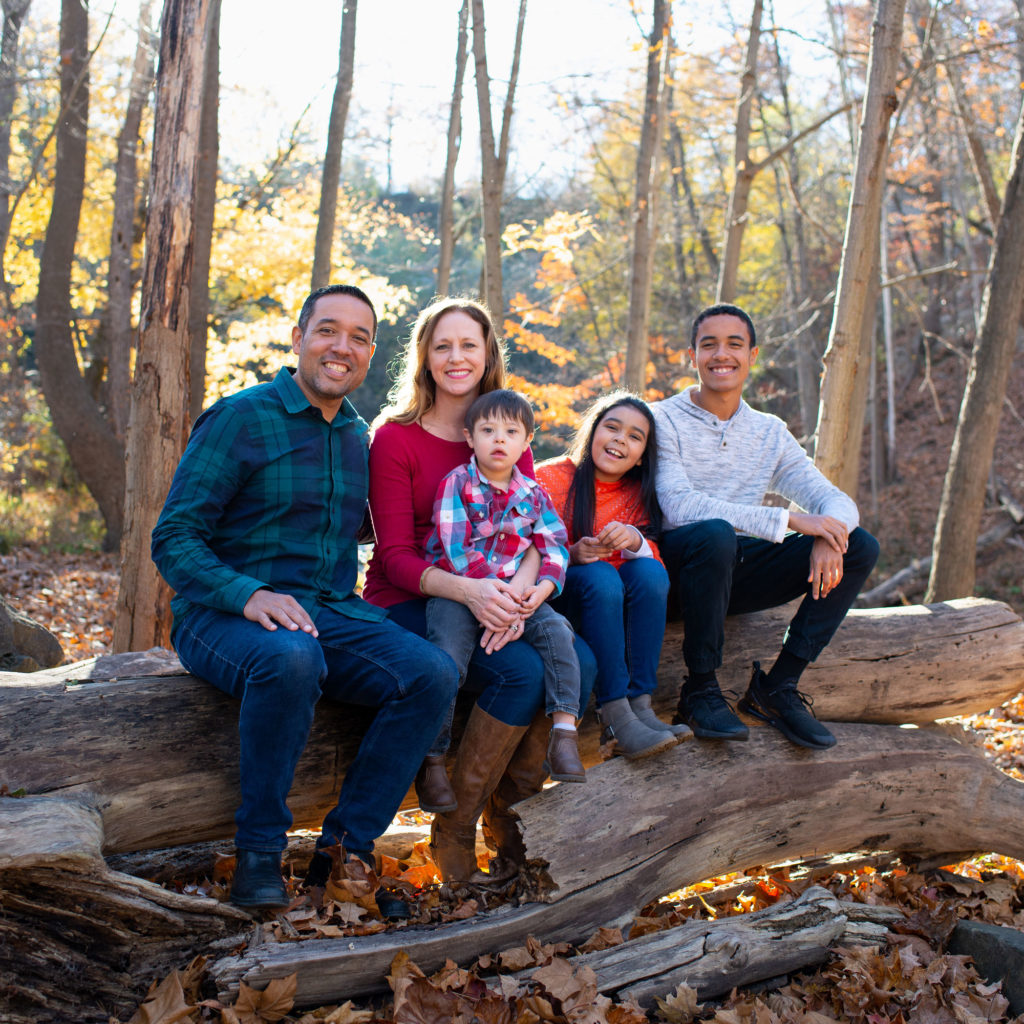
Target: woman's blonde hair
<point x="414" y="390"/>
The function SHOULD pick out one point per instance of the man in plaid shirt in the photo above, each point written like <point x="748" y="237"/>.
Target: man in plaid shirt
<point x="258" y="539"/>
<point x="486" y="517"/>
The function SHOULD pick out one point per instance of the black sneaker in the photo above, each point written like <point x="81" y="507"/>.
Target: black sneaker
<point x="789" y="710"/>
<point x="703" y="708"/>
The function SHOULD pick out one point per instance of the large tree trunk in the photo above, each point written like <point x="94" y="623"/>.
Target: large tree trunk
<point x="493" y="158"/>
<point x="117" y="318"/>
<point x="446" y="215"/>
<point x="95" y="451"/>
<point x="847" y="357"/>
<point x="963" y="490"/>
<point x="335" y="139"/>
<point x="110" y="742"/>
<point x="643" y="215"/>
<point x="14" y="13"/>
<point x="206" y="204"/>
<point x="159" y="419"/>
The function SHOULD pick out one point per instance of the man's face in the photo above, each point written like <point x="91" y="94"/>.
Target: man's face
<point x="498" y="444"/>
<point x="334" y="352"/>
<point x="722" y="354"/>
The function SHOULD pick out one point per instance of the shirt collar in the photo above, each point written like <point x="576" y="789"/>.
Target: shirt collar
<point x="296" y="403"/>
<point x="518" y="485"/>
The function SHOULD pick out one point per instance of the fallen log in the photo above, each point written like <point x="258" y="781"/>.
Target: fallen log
<point x="642" y="829"/>
<point x="141" y="747"/>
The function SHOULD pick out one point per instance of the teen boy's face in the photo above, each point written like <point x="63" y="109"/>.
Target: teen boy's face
<point x="722" y="354"/>
<point x="498" y="444"/>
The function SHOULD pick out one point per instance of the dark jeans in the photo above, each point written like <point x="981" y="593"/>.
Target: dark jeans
<point x="509" y="682"/>
<point x="453" y="627"/>
<point x="715" y="572"/>
<point x="621" y="615"/>
<point x="279" y="675"/>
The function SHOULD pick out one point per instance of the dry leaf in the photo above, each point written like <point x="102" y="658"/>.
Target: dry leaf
<point x="680" y="1006"/>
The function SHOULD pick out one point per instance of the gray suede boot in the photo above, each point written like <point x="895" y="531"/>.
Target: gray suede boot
<point x="642" y="709"/>
<point x="632" y="738"/>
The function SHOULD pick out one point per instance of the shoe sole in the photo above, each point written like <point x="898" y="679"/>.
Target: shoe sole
<point x="776" y="723"/>
<point x="264" y="904"/>
<point x="713" y="734"/>
<point x="563" y="776"/>
<point x="440" y="809"/>
<point x="639" y="755"/>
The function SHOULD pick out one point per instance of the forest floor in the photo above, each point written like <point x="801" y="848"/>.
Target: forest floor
<point x="911" y="980"/>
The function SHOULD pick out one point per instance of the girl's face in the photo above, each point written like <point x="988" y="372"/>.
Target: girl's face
<point x="457" y="356"/>
<point x="619" y="442"/>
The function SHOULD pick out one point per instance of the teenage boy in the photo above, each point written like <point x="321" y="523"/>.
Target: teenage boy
<point x="258" y="538"/>
<point x="727" y="552"/>
<point x="487" y="514"/>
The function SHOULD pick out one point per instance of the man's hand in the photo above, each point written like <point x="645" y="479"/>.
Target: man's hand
<point x="271" y="609"/>
<point x="620" y="537"/>
<point x="826" y="568"/>
<point x="829" y="529"/>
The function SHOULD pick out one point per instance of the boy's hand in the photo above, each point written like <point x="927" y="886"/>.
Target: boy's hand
<point x="832" y="531"/>
<point x="618" y="536"/>
<point x="535" y="596"/>
<point x="826" y="568"/>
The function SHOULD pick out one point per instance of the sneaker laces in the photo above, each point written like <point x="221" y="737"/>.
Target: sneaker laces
<point x="713" y="697"/>
<point x="788" y="698"/>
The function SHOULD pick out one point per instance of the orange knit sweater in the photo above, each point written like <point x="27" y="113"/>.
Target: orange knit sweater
<point x="613" y="502"/>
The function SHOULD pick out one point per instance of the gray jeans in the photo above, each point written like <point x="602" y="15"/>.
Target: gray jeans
<point x="453" y="628"/>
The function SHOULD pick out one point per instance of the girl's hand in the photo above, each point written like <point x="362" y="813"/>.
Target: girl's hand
<point x="494" y="603"/>
<point x="587" y="550"/>
<point x="620" y="537"/>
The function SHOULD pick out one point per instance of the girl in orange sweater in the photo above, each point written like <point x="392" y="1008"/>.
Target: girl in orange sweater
<point x="616" y="587"/>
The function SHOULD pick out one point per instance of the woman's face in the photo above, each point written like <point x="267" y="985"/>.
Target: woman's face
<point x="458" y="355"/>
<point x="620" y="440"/>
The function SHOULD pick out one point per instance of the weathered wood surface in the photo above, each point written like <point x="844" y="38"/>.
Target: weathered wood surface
<point x="713" y="957"/>
<point x="79" y="941"/>
<point x="141" y="748"/>
<point x="641" y="829"/>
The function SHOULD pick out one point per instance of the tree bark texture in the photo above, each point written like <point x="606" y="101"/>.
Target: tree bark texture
<point x="160" y="413"/>
<point x="493" y="157"/>
<point x="846" y="361"/>
<point x="446" y="215"/>
<point x="327" y="218"/>
<point x="963" y="490"/>
<point x="95" y="452"/>
<point x="143" y="746"/>
<point x="695" y="811"/>
<point x="642" y="214"/>
<point x="736" y="211"/>
<point x="206" y="203"/>
<point x="117" y="320"/>
<point x="14" y="12"/>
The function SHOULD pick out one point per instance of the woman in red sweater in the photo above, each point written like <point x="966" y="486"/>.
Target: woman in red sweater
<point x="617" y="587"/>
<point x="453" y="356"/>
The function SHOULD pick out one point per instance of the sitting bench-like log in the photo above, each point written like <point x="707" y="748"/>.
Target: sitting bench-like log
<point x="145" y="761"/>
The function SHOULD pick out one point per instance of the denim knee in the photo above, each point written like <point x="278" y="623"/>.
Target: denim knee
<point x="296" y="661"/>
<point x="862" y="551"/>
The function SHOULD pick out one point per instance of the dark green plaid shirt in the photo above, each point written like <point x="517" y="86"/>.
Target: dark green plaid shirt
<point x="268" y="494"/>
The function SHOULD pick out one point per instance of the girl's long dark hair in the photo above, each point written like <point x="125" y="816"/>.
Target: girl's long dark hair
<point x="581" y="501"/>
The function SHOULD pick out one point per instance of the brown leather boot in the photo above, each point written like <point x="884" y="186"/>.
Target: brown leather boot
<point x="483" y="753"/>
<point x="433" y="790"/>
<point x="523" y="777"/>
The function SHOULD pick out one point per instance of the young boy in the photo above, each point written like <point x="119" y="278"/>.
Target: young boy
<point x="486" y="516"/>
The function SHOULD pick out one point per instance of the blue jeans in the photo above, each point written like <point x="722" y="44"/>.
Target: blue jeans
<point x="453" y="627"/>
<point x="715" y="572"/>
<point x="279" y="675"/>
<point x="621" y="615"/>
<point x="510" y="682"/>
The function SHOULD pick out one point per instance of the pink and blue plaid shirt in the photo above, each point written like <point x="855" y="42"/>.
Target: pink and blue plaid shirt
<point x="483" y="533"/>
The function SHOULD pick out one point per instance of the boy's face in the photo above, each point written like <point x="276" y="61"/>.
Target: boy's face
<point x="498" y="444"/>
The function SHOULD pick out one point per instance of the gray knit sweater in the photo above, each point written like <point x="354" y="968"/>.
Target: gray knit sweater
<point x="714" y="469"/>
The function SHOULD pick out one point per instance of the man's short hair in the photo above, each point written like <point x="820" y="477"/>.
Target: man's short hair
<point x="503" y="403"/>
<point x="306" y="313"/>
<point x="723" y="309"/>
